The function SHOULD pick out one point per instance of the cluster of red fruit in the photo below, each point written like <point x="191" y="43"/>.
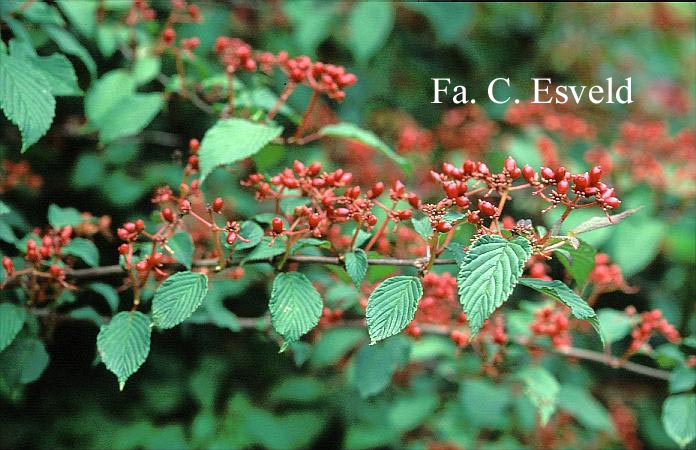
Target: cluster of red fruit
<point x="651" y="322"/>
<point x="552" y="118"/>
<point x="140" y="11"/>
<point x="606" y="276"/>
<point x="332" y="198"/>
<point x="552" y="322"/>
<point x="327" y="79"/>
<point x="467" y="128"/>
<point x="14" y="174"/>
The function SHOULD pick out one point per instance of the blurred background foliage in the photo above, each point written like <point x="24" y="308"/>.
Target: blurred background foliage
<point x="222" y="387"/>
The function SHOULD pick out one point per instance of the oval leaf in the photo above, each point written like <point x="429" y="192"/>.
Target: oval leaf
<point x="392" y="306"/>
<point x="11" y="321"/>
<point x="231" y="140"/>
<point x="295" y="306"/>
<point x="488" y="274"/>
<point x="83" y="249"/>
<point x="679" y="418"/>
<point x="178" y="297"/>
<point x="356" y="265"/>
<point x="124" y="343"/>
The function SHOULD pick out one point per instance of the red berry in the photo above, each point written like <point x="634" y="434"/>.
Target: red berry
<point x="473" y="217"/>
<point x="123" y="249"/>
<point x="55" y="271"/>
<point x="510" y="164"/>
<point x="462" y="202"/>
<point x="547" y="174"/>
<point x="595" y="175"/>
<point x="451" y="189"/>
<point x="298" y="167"/>
<point x="8" y="265"/>
<point x="313" y="169"/>
<point x="562" y="187"/>
<point x="372" y="220"/>
<point x="444" y="227"/>
<point x="612" y="202"/>
<point x="413" y="200"/>
<point x="487" y="208"/>
<point x="231" y="237"/>
<point x="168" y="35"/>
<point x="277" y="225"/>
<point x="376" y="190"/>
<point x="218" y="204"/>
<point x="405" y="214"/>
<point x="168" y="215"/>
<point x="528" y="173"/>
<point x="314" y="220"/>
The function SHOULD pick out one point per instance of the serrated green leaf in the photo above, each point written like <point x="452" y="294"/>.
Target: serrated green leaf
<point x="558" y="290"/>
<point x="11" y="321"/>
<point x="264" y="251"/>
<point x="489" y="273"/>
<point x="679" y="418"/>
<point x="356" y="265"/>
<point x="178" y="297"/>
<point x="375" y="365"/>
<point x="56" y="68"/>
<point x="25" y="98"/>
<point x="392" y="306"/>
<point x="182" y="247"/>
<point x="542" y="388"/>
<point x="252" y="232"/>
<point x="70" y="45"/>
<point x="124" y="344"/>
<point x="61" y="217"/>
<point x="295" y="306"/>
<point x="422" y="227"/>
<point x="231" y="140"/>
<point x="349" y="131"/>
<point x="369" y="25"/>
<point x="83" y="249"/>
<point x="578" y="262"/>
<point x="82" y="15"/>
<point x="108" y="292"/>
<point x="458" y="251"/>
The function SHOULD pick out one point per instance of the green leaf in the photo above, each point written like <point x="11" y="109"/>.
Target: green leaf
<point x="146" y="67"/>
<point x="70" y="45"/>
<point x="356" y="265"/>
<point x="88" y="171"/>
<point x="106" y="92"/>
<point x="598" y="222"/>
<point x="369" y="25"/>
<point x="130" y="116"/>
<point x="83" y="249"/>
<point x="61" y="217"/>
<point x="488" y="275"/>
<point x="578" y="262"/>
<point x="679" y="418"/>
<point x="375" y="365"/>
<point x="334" y="344"/>
<point x="458" y="251"/>
<point x="4" y="209"/>
<point x="349" y="131"/>
<point x="312" y="23"/>
<point x="558" y="290"/>
<point x="82" y="15"/>
<point x="422" y="227"/>
<point x="542" y="390"/>
<point x="56" y="68"/>
<point x="11" y="321"/>
<point x="392" y="306"/>
<point x="178" y="297"/>
<point x="682" y="379"/>
<point x="124" y="343"/>
<point x="25" y="98"/>
<point x="250" y="231"/>
<point x="182" y="247"/>
<point x="23" y="362"/>
<point x="615" y="324"/>
<point x="109" y="293"/>
<point x="633" y="258"/>
<point x="449" y="21"/>
<point x="586" y="409"/>
<point x="295" y="306"/>
<point x="231" y="140"/>
<point x="264" y="251"/>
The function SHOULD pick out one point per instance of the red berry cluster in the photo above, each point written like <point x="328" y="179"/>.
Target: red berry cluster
<point x="412" y="138"/>
<point x="651" y="322"/>
<point x="467" y="128"/>
<point x="439" y="303"/>
<point x="327" y="79"/>
<point x="606" y="276"/>
<point x="625" y="425"/>
<point x="15" y="174"/>
<point x="553" y="323"/>
<point x="140" y="11"/>
<point x="332" y="197"/>
<point x="552" y="118"/>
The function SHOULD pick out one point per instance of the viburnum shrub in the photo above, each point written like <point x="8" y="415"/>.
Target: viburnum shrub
<point x="388" y="245"/>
